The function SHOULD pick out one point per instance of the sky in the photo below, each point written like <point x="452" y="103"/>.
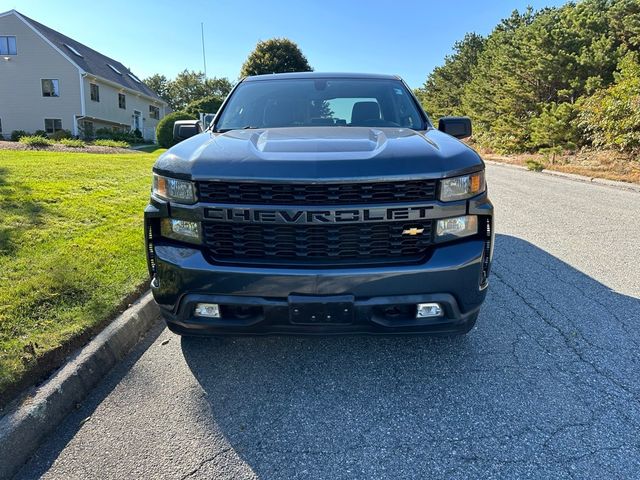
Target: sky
<point x="408" y="38"/>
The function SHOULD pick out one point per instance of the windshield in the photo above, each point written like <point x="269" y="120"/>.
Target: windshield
<point x="320" y="102"/>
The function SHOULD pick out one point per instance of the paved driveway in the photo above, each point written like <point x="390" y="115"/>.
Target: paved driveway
<point x="546" y="386"/>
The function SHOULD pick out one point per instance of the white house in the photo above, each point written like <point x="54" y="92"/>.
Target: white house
<point x="50" y="82"/>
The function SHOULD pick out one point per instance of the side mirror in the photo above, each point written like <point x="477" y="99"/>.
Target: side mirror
<point x="183" y="129"/>
<point x="459" y="127"/>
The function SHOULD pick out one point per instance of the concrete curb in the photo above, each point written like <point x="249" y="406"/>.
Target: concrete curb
<point x="572" y="176"/>
<point x="24" y="426"/>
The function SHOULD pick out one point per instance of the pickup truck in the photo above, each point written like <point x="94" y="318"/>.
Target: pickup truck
<point x="320" y="203"/>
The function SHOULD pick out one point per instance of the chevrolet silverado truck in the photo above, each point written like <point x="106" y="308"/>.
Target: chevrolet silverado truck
<point x="320" y="204"/>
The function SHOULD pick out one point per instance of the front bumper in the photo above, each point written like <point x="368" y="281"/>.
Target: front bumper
<point x="451" y="277"/>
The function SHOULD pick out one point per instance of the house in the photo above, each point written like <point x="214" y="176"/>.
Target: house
<point x="50" y="82"/>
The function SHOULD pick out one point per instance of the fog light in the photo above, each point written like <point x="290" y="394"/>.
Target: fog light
<point x="211" y="310"/>
<point x="180" y="230"/>
<point x="426" y="310"/>
<point x="456" y="227"/>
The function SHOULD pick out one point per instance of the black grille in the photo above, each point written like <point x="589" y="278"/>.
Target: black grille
<point x="325" y="194"/>
<point x="317" y="244"/>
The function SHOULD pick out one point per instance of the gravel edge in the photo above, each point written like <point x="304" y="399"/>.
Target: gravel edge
<point x="25" y="425"/>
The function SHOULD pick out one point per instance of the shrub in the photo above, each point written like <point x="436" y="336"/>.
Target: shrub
<point x="35" y="141"/>
<point x="60" y="134"/>
<point x="128" y="137"/>
<point x="40" y="133"/>
<point x="73" y="143"/>
<point x="164" y="130"/>
<point x="110" y="143"/>
<point x="17" y="135"/>
<point x="534" y="166"/>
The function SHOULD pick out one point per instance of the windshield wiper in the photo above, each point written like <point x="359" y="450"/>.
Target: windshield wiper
<point x="225" y="130"/>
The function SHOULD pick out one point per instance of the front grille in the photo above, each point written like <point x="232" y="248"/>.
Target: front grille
<point x="317" y="194"/>
<point x="316" y="244"/>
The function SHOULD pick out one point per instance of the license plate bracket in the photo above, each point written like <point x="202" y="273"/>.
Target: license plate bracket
<point x="318" y="310"/>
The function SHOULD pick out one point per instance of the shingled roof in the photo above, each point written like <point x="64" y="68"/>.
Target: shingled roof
<point x="93" y="62"/>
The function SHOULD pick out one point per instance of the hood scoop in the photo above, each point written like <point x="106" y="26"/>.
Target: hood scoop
<point x="320" y="143"/>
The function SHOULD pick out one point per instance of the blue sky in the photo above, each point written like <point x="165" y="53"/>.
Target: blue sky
<point x="405" y="37"/>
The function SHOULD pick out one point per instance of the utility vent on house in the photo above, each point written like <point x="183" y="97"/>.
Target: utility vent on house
<point x="73" y="50"/>
<point x="134" y="78"/>
<point x="114" y="69"/>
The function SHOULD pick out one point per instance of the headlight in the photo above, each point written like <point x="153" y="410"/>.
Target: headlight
<point x="459" y="188"/>
<point x="456" y="227"/>
<point x="173" y="189"/>
<point x="182" y="230"/>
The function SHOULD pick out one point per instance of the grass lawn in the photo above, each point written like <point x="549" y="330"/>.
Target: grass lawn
<point x="71" y="251"/>
<point x="151" y="149"/>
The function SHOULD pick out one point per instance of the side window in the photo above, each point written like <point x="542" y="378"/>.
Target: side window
<point x="52" y="125"/>
<point x="154" y="112"/>
<point x="95" y="92"/>
<point x="50" y="87"/>
<point x="122" y="100"/>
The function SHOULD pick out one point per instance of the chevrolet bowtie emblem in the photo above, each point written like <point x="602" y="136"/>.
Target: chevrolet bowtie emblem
<point x="413" y="231"/>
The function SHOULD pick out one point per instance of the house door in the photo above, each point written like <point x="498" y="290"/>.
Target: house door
<point x="137" y="121"/>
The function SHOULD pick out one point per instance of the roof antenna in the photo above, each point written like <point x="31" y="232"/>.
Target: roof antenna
<point x="204" y="59"/>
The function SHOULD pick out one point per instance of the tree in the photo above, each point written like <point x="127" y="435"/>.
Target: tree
<point x="187" y="87"/>
<point x="277" y="55"/>
<point x="442" y="92"/>
<point x="611" y="116"/>
<point x="159" y="84"/>
<point x="209" y="104"/>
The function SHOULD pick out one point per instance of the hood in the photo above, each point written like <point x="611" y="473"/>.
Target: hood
<point x="319" y="154"/>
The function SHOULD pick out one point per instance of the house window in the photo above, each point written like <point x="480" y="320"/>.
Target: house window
<point x="122" y="101"/>
<point x="52" y="125"/>
<point x="95" y="92"/>
<point x="154" y="112"/>
<point x="8" y="45"/>
<point x="50" y="87"/>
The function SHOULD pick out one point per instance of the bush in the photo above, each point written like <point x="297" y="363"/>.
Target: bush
<point x="18" y="134"/>
<point x="60" y="134"/>
<point x="73" y="143"/>
<point x="164" y="130"/>
<point x="35" y="141"/>
<point x="110" y="143"/>
<point x="534" y="166"/>
<point x="128" y="137"/>
<point x="40" y="133"/>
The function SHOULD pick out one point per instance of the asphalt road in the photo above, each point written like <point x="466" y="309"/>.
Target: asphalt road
<point x="546" y="386"/>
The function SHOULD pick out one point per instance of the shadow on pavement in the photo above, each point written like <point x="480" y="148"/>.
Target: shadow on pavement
<point x="546" y="384"/>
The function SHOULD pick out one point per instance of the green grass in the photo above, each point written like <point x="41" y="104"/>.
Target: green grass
<point x="151" y="149"/>
<point x="71" y="247"/>
<point x="111" y="143"/>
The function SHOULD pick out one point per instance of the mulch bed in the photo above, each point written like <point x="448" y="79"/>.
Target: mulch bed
<point x="61" y="148"/>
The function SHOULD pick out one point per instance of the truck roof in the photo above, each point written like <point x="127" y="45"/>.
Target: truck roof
<point x="318" y="75"/>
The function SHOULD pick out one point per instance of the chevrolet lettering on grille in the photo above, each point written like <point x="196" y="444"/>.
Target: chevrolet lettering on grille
<point x="320" y="216"/>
